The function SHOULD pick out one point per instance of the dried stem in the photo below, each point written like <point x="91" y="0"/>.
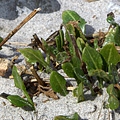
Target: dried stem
<point x="40" y="81"/>
<point x="38" y="42"/>
<point x="31" y="15"/>
<point x="16" y="43"/>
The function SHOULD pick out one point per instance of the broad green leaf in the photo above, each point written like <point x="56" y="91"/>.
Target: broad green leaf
<point x="92" y="59"/>
<point x="113" y="95"/>
<point x="110" y="54"/>
<point x="68" y="69"/>
<point x="19" y="102"/>
<point x="33" y="56"/>
<point x="19" y="83"/>
<point x="74" y="116"/>
<point x="76" y="62"/>
<point x="58" y="83"/>
<point x="70" y="15"/>
<point x="113" y="36"/>
<point x="113" y="102"/>
<point x="112" y="91"/>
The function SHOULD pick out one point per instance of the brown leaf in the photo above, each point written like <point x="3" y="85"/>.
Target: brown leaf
<point x="117" y="86"/>
<point x="50" y="93"/>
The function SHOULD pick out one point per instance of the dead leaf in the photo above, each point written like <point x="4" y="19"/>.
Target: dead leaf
<point x="117" y="86"/>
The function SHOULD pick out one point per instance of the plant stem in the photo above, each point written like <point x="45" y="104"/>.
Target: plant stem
<point x="31" y="15"/>
<point x="40" y="81"/>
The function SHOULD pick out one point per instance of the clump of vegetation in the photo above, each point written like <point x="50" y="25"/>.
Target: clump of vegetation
<point x="89" y="59"/>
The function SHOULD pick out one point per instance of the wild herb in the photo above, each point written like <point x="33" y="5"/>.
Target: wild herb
<point x="89" y="59"/>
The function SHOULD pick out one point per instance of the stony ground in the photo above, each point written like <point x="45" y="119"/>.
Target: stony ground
<point x="12" y="12"/>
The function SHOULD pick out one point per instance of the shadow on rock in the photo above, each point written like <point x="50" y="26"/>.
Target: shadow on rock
<point x="9" y="9"/>
<point x="47" y="6"/>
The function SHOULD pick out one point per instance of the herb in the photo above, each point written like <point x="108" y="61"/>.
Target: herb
<point x="82" y="59"/>
<point x="87" y="59"/>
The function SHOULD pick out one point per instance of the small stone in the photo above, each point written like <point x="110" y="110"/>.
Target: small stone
<point x="4" y="64"/>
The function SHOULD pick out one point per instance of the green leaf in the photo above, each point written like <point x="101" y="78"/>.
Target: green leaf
<point x="58" y="83"/>
<point x="92" y="59"/>
<point x="68" y="69"/>
<point x="70" y="28"/>
<point x="79" y="74"/>
<point x="110" y="54"/>
<point x="78" y="92"/>
<point x="75" y="92"/>
<point x="70" y="15"/>
<point x="113" y="95"/>
<point x="112" y="91"/>
<point x="96" y="46"/>
<point x="19" y="84"/>
<point x="70" y="32"/>
<point x="79" y="32"/>
<point x="17" y="79"/>
<point x="33" y="56"/>
<point x="19" y="102"/>
<point x="100" y="73"/>
<point x="113" y="72"/>
<point x="60" y="40"/>
<point x="80" y="43"/>
<point x="113" y="102"/>
<point x="74" y="116"/>
<point x="76" y="62"/>
<point x="113" y="36"/>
